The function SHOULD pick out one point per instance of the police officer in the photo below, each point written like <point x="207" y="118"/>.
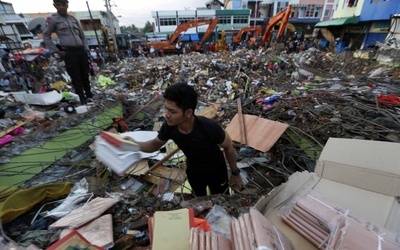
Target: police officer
<point x="73" y="48"/>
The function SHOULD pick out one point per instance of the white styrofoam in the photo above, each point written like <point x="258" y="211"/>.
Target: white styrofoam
<point x="47" y="98"/>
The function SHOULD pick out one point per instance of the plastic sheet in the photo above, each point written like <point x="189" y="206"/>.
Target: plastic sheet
<point x="79" y="192"/>
<point x="220" y="220"/>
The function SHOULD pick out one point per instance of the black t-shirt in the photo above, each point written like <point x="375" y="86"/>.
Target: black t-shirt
<point x="200" y="146"/>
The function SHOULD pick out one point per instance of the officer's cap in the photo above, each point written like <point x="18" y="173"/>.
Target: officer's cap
<point x="60" y="1"/>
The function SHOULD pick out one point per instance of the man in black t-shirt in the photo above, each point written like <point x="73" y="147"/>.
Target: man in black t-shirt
<point x="200" y="139"/>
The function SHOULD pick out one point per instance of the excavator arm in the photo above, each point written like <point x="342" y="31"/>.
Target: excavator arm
<point x="170" y="44"/>
<point x="210" y="29"/>
<point x="283" y="17"/>
<point x="238" y="37"/>
<point x="190" y="24"/>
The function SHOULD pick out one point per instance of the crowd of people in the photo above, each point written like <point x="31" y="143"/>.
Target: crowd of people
<point x="21" y="75"/>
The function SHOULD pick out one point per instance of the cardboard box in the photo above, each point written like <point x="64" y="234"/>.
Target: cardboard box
<point x="359" y="175"/>
<point x="364" y="177"/>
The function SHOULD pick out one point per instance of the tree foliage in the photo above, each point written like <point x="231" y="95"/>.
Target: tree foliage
<point x="130" y="29"/>
<point x="148" y="27"/>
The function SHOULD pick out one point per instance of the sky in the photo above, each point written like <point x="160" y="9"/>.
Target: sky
<point x="128" y="12"/>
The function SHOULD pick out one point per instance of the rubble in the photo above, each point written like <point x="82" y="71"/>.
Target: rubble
<point x="317" y="94"/>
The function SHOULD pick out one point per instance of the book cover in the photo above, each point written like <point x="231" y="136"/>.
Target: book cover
<point x="119" y="142"/>
<point x="171" y="229"/>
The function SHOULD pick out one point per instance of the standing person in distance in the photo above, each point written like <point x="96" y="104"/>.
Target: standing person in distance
<point x="200" y="139"/>
<point x="73" y="48"/>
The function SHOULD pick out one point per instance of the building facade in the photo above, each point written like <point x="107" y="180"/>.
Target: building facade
<point x="13" y="29"/>
<point x="305" y="13"/>
<point x="376" y="14"/>
<point x="93" y="25"/>
<point x="360" y="24"/>
<point x="166" y="22"/>
<point x="329" y="8"/>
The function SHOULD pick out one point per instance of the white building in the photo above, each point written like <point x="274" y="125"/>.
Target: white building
<point x="13" y="29"/>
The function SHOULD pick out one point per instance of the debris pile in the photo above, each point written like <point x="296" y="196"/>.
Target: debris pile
<point x="317" y="95"/>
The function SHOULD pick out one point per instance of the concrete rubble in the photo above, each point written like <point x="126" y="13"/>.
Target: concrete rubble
<point x="318" y="94"/>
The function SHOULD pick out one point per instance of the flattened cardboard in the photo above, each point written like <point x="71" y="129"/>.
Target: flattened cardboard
<point x="73" y="240"/>
<point x="98" y="232"/>
<point x="261" y="134"/>
<point x="85" y="214"/>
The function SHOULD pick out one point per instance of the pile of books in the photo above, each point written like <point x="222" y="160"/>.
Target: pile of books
<point x="117" y="153"/>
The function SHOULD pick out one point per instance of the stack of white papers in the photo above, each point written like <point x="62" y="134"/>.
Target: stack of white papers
<point x="117" y="160"/>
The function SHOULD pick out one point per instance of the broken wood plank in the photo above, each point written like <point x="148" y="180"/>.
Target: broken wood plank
<point x="19" y="124"/>
<point x="241" y="123"/>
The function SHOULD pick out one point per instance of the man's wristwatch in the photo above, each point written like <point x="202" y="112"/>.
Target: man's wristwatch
<point x="236" y="172"/>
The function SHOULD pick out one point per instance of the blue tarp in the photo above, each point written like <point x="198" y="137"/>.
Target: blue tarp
<point x="187" y="37"/>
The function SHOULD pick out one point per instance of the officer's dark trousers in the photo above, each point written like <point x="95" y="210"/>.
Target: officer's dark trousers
<point x="77" y="64"/>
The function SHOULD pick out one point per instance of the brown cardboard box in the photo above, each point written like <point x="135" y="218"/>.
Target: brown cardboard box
<point x="358" y="175"/>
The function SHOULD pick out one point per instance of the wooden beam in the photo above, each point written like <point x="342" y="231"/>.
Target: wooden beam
<point x="163" y="159"/>
<point x="241" y="121"/>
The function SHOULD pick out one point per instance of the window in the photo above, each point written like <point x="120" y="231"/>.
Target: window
<point x="167" y="21"/>
<point x="244" y="4"/>
<point x="240" y="19"/>
<point x="381" y="25"/>
<point x="22" y="30"/>
<point x="6" y="9"/>
<point x="224" y="20"/>
<point x="185" y="19"/>
<point x="327" y="12"/>
<point x="282" y="6"/>
<point x="310" y="10"/>
<point x="350" y="3"/>
<point x="87" y="25"/>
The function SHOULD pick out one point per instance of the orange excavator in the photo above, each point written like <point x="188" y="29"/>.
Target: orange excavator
<point x="283" y="17"/>
<point x="238" y="38"/>
<point x="170" y="45"/>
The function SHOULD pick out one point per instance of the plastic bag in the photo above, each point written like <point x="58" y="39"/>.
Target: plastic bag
<point x="79" y="192"/>
<point x="220" y="221"/>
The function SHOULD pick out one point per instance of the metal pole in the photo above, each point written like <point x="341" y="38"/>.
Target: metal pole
<point x="95" y="30"/>
<point x="255" y="14"/>
<point x="111" y="20"/>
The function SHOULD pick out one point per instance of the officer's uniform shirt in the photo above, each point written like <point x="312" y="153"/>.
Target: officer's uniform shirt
<point x="68" y="31"/>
